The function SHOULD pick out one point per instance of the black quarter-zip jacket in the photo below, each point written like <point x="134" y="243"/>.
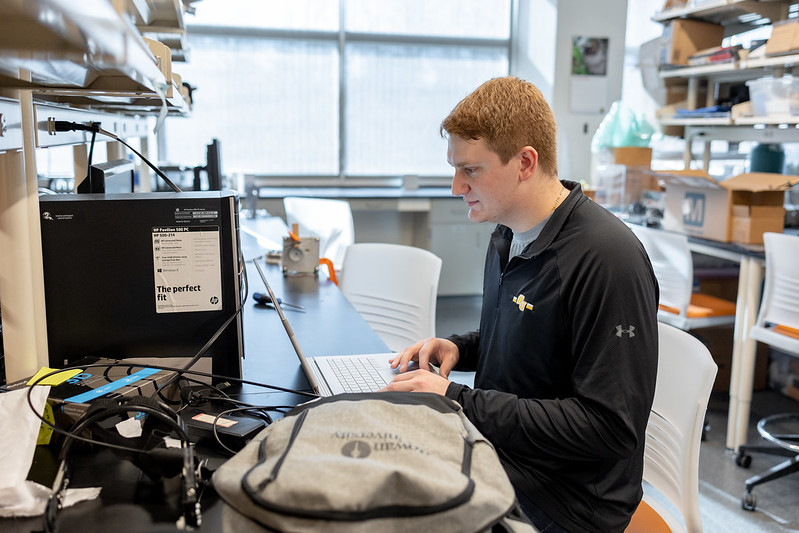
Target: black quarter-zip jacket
<point x="565" y="361"/>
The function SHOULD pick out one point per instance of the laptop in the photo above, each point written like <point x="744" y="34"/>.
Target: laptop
<point x="337" y="374"/>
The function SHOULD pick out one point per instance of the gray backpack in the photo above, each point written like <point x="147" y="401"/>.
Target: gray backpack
<point x="384" y="461"/>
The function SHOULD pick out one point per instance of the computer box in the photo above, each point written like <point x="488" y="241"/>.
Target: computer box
<point x="142" y="275"/>
<point x="101" y="380"/>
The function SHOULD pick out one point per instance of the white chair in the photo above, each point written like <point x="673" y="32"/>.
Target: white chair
<point x="394" y="287"/>
<point x="685" y="376"/>
<point x="778" y="326"/>
<point x="330" y="220"/>
<point x="679" y="306"/>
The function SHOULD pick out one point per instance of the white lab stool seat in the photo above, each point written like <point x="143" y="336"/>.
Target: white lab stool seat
<point x="685" y="377"/>
<point x="330" y="220"/>
<point x="778" y="326"/>
<point x="679" y="306"/>
<point x="394" y="287"/>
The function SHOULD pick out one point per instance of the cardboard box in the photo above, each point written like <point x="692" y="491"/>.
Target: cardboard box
<point x="673" y="4"/>
<point x="784" y="38"/>
<point x="618" y="187"/>
<point x="698" y="205"/>
<point x="750" y="222"/>
<point x="682" y="38"/>
<point x="633" y="156"/>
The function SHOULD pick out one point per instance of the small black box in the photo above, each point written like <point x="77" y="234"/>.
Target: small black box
<point x="113" y="380"/>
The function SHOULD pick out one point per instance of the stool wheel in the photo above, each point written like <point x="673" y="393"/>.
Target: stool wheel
<point x="743" y="460"/>
<point x="748" y="501"/>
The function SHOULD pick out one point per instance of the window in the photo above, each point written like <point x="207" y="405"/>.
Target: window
<point x="292" y="93"/>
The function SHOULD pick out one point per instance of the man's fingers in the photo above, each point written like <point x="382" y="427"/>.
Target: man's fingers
<point x="445" y="368"/>
<point x="402" y="359"/>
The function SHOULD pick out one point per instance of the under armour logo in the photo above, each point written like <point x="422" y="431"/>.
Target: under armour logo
<point x="621" y="331"/>
<point x="522" y="303"/>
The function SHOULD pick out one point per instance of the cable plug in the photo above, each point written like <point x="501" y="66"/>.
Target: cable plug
<point x="189" y="396"/>
<point x="54" y="126"/>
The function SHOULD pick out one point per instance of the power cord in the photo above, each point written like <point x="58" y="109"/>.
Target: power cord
<point x="94" y="128"/>
<point x="197" y="373"/>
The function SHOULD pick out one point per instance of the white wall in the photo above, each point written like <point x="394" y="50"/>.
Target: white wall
<point x="544" y="57"/>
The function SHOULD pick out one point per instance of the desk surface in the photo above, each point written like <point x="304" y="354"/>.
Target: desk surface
<point x="328" y="325"/>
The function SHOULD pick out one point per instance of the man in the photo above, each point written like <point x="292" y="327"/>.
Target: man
<point x="566" y="353"/>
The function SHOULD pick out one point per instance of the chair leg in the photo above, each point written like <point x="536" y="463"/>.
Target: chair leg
<point x="743" y="459"/>
<point x="748" y="501"/>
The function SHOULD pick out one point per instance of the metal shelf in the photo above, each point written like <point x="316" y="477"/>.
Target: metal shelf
<point x="75" y="44"/>
<point x="743" y="69"/>
<point x="728" y="12"/>
<point x="765" y="133"/>
<point x="120" y="125"/>
<point x="161" y="20"/>
<point x="717" y="121"/>
<point x="86" y="51"/>
<point x="10" y="125"/>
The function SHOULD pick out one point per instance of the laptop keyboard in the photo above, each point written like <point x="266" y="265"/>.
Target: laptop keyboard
<point x="357" y="374"/>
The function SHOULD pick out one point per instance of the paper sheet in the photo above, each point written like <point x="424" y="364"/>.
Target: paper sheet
<point x="19" y="497"/>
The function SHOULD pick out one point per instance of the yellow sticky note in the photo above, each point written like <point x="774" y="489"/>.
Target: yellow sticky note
<point x="55" y="379"/>
<point x="46" y="431"/>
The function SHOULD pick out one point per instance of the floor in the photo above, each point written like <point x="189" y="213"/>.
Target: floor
<point x="721" y="481"/>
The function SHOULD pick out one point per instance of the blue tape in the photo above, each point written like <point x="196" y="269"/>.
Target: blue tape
<point x="114" y="385"/>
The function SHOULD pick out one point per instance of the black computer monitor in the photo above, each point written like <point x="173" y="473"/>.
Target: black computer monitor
<point x="212" y="168"/>
<point x="142" y="275"/>
<point x="111" y="177"/>
<point x="213" y="165"/>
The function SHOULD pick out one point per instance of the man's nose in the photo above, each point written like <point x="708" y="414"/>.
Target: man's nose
<point x="459" y="187"/>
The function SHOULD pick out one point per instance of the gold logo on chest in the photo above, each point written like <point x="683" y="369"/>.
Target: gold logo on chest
<point x="522" y="303"/>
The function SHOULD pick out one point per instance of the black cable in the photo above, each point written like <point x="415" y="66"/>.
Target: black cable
<point x="200" y="353"/>
<point x="242" y="270"/>
<point x="89" y="163"/>
<point x="62" y="479"/>
<point x="227" y="412"/>
<point x="64" y="432"/>
<point x="94" y="127"/>
<point x="158" y="171"/>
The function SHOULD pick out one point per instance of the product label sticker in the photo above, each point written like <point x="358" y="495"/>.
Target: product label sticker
<point x="187" y="269"/>
<point x="195" y="215"/>
<point x="209" y="419"/>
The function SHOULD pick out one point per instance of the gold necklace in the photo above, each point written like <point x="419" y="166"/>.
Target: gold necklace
<point x="557" y="200"/>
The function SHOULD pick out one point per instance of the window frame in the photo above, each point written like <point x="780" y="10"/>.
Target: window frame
<point x="343" y="37"/>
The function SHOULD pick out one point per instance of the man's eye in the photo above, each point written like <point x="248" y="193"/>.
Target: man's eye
<point x="469" y="170"/>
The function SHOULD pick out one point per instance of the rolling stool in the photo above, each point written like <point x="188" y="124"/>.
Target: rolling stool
<point x="782" y="430"/>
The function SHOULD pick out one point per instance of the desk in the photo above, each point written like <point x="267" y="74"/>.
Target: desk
<point x="750" y="259"/>
<point x="329" y="325"/>
<point x="750" y="279"/>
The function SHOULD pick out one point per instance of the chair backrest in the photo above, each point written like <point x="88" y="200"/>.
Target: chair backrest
<point x="330" y="220"/>
<point x="394" y="287"/>
<point x="685" y="376"/>
<point x="672" y="263"/>
<point x="781" y="291"/>
<point x="780" y="304"/>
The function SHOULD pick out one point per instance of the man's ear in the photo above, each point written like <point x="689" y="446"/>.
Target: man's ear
<point x="528" y="159"/>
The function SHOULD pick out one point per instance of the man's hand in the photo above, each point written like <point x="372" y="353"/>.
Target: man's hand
<point x="419" y="381"/>
<point x="441" y="352"/>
